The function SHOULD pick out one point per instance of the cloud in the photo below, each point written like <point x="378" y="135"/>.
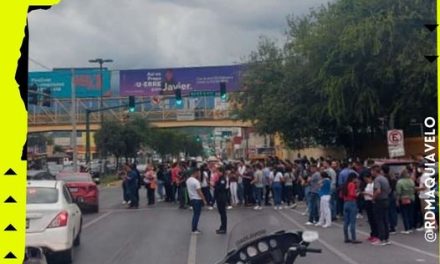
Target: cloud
<point x="156" y="33"/>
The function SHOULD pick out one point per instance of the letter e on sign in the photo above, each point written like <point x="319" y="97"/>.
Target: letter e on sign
<point x="395" y="137"/>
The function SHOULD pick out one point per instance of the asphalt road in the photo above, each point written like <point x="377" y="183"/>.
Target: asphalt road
<point x="161" y="235"/>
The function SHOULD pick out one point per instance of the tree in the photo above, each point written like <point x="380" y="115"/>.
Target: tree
<point x="344" y="67"/>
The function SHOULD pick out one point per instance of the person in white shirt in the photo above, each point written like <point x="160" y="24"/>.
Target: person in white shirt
<point x="368" y="197"/>
<point x="196" y="197"/>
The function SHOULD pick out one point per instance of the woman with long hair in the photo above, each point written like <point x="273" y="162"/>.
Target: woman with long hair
<point x="277" y="187"/>
<point x="150" y="180"/>
<point x="405" y="190"/>
<point x="350" y="194"/>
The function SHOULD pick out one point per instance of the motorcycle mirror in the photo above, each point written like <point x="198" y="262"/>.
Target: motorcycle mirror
<point x="310" y="236"/>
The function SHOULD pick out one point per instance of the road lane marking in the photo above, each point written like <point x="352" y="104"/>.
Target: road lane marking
<point x="192" y="250"/>
<point x="396" y="243"/>
<point x="94" y="221"/>
<point x="392" y="241"/>
<point x="323" y="242"/>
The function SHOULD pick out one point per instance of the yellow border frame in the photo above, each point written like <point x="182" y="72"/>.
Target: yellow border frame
<point x="13" y="16"/>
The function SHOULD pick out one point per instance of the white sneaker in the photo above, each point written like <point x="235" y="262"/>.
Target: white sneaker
<point x="229" y="207"/>
<point x="326" y="226"/>
<point x="196" y="232"/>
<point x="359" y="216"/>
<point x="309" y="223"/>
<point x="293" y="206"/>
<point x="420" y="229"/>
<point x="256" y="207"/>
<point x="304" y="213"/>
<point x="260" y="208"/>
<point x="318" y="224"/>
<point x="405" y="232"/>
<point x="280" y="208"/>
<point x="129" y="202"/>
<point x="210" y="208"/>
<point x="276" y="208"/>
<point x="124" y="202"/>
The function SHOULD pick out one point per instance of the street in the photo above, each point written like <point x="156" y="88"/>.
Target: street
<point x="162" y="235"/>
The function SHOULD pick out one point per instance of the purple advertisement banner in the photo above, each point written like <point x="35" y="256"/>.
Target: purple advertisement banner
<point x="164" y="81"/>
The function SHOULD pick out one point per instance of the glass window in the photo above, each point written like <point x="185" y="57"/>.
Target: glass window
<point x="67" y="195"/>
<point x="41" y="195"/>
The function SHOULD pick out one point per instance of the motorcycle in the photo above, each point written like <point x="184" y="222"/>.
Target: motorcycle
<point x="267" y="239"/>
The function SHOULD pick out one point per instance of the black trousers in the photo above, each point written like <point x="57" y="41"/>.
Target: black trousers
<point x="267" y="194"/>
<point x="182" y="198"/>
<point x="168" y="192"/>
<point x="381" y="208"/>
<point x="248" y="195"/>
<point x="150" y="194"/>
<point x="371" y="218"/>
<point x="221" y="206"/>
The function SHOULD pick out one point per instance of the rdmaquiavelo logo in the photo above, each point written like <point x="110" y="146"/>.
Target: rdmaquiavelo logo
<point x="13" y="16"/>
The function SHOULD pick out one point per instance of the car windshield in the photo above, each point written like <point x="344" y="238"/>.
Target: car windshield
<point x="41" y="195"/>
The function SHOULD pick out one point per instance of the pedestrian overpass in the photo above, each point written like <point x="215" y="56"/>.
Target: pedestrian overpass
<point x="58" y="117"/>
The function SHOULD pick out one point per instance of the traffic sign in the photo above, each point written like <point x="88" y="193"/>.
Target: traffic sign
<point x="156" y="100"/>
<point x="396" y="146"/>
<point x="201" y="93"/>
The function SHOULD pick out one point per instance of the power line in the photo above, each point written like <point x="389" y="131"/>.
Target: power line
<point x="39" y="64"/>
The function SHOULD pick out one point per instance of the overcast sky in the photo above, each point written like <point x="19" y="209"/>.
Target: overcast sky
<point x="140" y="34"/>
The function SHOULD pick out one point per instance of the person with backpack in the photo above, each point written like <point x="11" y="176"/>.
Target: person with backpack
<point x="405" y="197"/>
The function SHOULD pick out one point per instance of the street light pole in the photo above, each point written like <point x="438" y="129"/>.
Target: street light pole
<point x="101" y="62"/>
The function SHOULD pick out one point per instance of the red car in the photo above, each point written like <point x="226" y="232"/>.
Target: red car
<point x="83" y="189"/>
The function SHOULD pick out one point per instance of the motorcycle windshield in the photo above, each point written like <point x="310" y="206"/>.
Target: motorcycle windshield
<point x="254" y="228"/>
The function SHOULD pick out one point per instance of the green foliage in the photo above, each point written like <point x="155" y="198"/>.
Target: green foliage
<point x="343" y="66"/>
<point x="126" y="139"/>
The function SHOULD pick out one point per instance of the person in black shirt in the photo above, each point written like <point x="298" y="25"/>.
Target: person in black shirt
<point x="221" y="197"/>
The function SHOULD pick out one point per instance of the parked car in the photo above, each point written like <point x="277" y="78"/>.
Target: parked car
<point x="40" y="175"/>
<point x="83" y="189"/>
<point x="53" y="220"/>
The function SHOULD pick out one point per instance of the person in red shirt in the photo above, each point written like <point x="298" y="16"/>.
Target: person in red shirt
<point x="350" y="195"/>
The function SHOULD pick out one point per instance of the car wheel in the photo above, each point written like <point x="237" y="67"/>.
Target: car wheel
<point x="66" y="256"/>
<point x="77" y="240"/>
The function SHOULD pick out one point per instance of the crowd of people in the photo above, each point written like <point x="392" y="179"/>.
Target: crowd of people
<point x="331" y="189"/>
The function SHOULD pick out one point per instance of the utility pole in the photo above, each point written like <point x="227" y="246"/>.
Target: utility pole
<point x="74" y="133"/>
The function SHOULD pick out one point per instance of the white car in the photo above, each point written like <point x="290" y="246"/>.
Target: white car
<point x="53" y="220"/>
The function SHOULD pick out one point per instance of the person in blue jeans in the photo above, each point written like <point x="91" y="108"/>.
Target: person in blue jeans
<point x="349" y="192"/>
<point x="314" y="183"/>
<point x="196" y="197"/>
<point x="277" y="187"/>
